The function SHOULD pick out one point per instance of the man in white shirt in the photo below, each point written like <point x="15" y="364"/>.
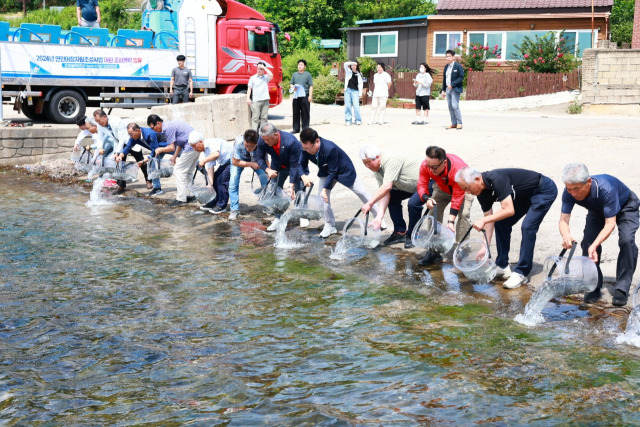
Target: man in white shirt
<point x="217" y="152"/>
<point x="259" y="87"/>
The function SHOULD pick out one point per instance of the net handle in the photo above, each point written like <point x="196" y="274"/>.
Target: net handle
<point x="566" y="267"/>
<point x="486" y="239"/>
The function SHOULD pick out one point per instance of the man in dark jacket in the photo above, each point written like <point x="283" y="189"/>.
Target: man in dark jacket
<point x="334" y="165"/>
<point x="284" y="149"/>
<point x="452" y="78"/>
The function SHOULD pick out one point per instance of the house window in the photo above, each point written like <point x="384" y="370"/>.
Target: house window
<point x="446" y="41"/>
<point x="515" y="38"/>
<point x="578" y="41"/>
<point x="379" y="44"/>
<point x="487" y="39"/>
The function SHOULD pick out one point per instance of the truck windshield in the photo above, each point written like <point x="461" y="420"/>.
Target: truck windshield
<point x="261" y="42"/>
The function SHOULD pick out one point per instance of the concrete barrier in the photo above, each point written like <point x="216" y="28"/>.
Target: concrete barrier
<point x="220" y="116"/>
<point x="20" y="146"/>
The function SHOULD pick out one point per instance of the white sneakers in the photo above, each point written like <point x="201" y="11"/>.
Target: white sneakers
<point x="328" y="230"/>
<point x="304" y="223"/>
<point x="515" y="281"/>
<point x="233" y="215"/>
<point x="503" y="273"/>
<point x="383" y="225"/>
<point x="274" y="225"/>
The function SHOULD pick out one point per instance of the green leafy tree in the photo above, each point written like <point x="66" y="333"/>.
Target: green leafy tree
<point x="622" y="21"/>
<point x="367" y="64"/>
<point x="544" y="54"/>
<point x="314" y="64"/>
<point x="475" y="57"/>
<point x="380" y="9"/>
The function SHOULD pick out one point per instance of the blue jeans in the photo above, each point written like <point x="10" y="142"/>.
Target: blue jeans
<point x="533" y="210"/>
<point x="351" y="99"/>
<point x="234" y="184"/>
<point x="156" y="181"/>
<point x="453" y="101"/>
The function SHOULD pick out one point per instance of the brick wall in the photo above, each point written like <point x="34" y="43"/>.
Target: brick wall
<point x="32" y="145"/>
<point x="611" y="76"/>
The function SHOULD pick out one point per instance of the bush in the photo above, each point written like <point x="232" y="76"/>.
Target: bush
<point x="544" y="55"/>
<point x="367" y="64"/>
<point x="574" y="107"/>
<point x="476" y="57"/>
<point x="325" y="89"/>
<point x="314" y="64"/>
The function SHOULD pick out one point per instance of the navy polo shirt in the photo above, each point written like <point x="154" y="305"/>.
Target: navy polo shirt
<point x="607" y="197"/>
<point x="520" y="184"/>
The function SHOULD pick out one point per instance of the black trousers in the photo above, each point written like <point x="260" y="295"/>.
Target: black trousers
<point x="627" y="222"/>
<point x="301" y="110"/>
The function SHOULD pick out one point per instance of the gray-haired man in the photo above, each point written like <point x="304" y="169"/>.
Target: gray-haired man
<point x="609" y="203"/>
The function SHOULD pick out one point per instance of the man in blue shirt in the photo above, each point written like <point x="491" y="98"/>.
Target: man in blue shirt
<point x="609" y="203"/>
<point x="146" y="138"/>
<point x="284" y="149"/>
<point x="88" y="13"/>
<point x="243" y="157"/>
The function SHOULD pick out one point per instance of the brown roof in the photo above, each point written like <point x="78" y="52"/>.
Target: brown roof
<point x="518" y="4"/>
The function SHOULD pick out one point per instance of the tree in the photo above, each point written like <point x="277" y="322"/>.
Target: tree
<point x="380" y="9"/>
<point x="622" y="21"/>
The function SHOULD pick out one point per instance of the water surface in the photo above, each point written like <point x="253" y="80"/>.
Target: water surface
<point x="128" y="313"/>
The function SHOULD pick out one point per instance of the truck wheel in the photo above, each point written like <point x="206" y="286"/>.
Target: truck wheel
<point x="240" y="89"/>
<point x="30" y="112"/>
<point x="66" y="106"/>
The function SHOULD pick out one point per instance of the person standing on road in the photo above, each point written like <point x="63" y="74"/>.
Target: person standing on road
<point x="301" y="102"/>
<point x="88" y="13"/>
<point x="381" y="86"/>
<point x="353" y="85"/>
<point x="442" y="168"/>
<point x="521" y="193"/>
<point x="397" y="175"/>
<point x="452" y="79"/>
<point x="422" y="83"/>
<point x="609" y="203"/>
<point x="181" y="84"/>
<point x="258" y="95"/>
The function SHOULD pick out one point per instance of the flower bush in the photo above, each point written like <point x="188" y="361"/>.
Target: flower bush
<point x="544" y="54"/>
<point x="474" y="57"/>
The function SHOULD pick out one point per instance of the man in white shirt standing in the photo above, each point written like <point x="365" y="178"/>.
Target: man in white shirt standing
<point x="259" y="88"/>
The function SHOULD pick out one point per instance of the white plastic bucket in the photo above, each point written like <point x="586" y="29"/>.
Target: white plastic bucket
<point x="424" y="235"/>
<point x="354" y="230"/>
<point x="273" y="200"/>
<point x="159" y="168"/>
<point x="473" y="259"/>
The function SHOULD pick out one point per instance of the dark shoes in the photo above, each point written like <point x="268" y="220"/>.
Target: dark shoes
<point x="177" y="204"/>
<point x="396" y="237"/>
<point x="430" y="258"/>
<point x="593" y="296"/>
<point x="119" y="190"/>
<point x="619" y="298"/>
<point x="408" y="244"/>
<point x="191" y="199"/>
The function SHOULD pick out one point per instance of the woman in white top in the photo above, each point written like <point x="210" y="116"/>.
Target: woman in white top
<point x="422" y="83"/>
<point x="381" y="86"/>
<point x="352" y="91"/>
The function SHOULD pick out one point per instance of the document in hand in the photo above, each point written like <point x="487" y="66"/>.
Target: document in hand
<point x="298" y="91"/>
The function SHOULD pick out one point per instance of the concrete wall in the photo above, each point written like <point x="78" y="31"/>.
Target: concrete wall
<point x="611" y="80"/>
<point x="31" y="145"/>
<point x="220" y="116"/>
